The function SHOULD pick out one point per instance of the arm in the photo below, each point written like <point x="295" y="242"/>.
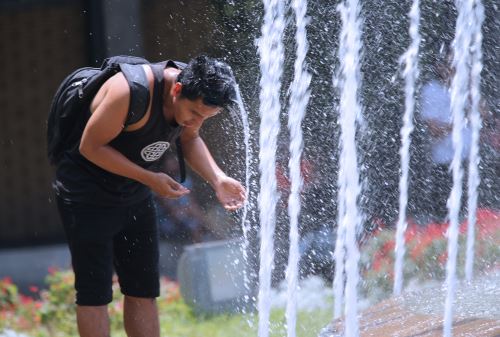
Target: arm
<point x="106" y="123"/>
<point x="230" y="192"/>
<point x="198" y="156"/>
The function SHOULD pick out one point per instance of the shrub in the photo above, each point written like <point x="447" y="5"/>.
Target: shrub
<point x="58" y="309"/>
<point x="53" y="314"/>
<point x="426" y="253"/>
<point x="17" y="310"/>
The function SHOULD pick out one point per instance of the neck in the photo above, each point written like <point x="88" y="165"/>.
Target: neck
<point x="168" y="98"/>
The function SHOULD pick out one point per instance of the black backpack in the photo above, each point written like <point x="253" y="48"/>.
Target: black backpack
<point x="69" y="110"/>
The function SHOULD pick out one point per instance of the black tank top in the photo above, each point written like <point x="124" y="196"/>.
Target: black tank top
<point x="79" y="180"/>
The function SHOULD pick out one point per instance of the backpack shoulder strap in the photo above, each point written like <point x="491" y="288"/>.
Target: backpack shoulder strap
<point x="139" y="91"/>
<point x="170" y="64"/>
<point x="159" y="86"/>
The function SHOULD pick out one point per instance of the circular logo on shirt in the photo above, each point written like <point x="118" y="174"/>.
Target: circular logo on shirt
<point x="154" y="151"/>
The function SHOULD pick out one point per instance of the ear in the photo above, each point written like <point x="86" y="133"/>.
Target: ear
<point x="176" y="89"/>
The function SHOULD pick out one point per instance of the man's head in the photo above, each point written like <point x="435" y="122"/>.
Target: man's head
<point x="203" y="88"/>
<point x="209" y="79"/>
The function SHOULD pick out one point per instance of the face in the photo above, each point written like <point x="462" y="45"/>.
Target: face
<point x="190" y="113"/>
<point x="193" y="113"/>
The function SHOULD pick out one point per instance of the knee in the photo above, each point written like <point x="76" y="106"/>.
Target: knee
<point x="94" y="297"/>
<point x="139" y="300"/>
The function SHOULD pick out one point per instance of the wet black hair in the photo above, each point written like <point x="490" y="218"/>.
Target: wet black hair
<point x="210" y="79"/>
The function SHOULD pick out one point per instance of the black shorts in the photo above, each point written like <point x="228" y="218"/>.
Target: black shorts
<point x="102" y="237"/>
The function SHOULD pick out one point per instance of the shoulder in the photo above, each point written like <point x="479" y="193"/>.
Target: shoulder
<point x="114" y="91"/>
<point x="117" y="86"/>
<point x="114" y="94"/>
<point x="171" y="73"/>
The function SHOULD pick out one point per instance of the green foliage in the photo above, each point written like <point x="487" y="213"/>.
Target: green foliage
<point x="17" y="310"/>
<point x="58" y="309"/>
<point x="8" y="293"/>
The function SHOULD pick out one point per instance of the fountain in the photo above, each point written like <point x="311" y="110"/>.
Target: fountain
<point x="475" y="120"/>
<point x="271" y="51"/>
<point x="410" y="59"/>
<point x="356" y="183"/>
<point x="349" y="220"/>
<point x="299" y="98"/>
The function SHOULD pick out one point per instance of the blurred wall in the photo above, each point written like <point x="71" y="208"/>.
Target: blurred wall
<point x="40" y="43"/>
<point x="43" y="40"/>
<point x="177" y="29"/>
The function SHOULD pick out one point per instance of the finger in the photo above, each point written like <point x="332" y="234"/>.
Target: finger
<point x="238" y="194"/>
<point x="178" y="187"/>
<point x="243" y="196"/>
<point x="173" y="194"/>
<point x="184" y="191"/>
<point x="230" y="208"/>
<point x="233" y="205"/>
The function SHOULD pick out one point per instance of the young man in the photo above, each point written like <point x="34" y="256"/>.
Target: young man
<point x="104" y="187"/>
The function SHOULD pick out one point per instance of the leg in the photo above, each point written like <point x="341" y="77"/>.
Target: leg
<point x="89" y="231"/>
<point x="137" y="265"/>
<point x="141" y="317"/>
<point x="93" y="321"/>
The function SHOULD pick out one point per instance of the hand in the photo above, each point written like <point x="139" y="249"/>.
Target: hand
<point x="165" y="186"/>
<point x="230" y="193"/>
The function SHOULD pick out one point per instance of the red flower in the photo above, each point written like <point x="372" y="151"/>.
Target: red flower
<point x="411" y="232"/>
<point x="487" y="223"/>
<point x="388" y="247"/>
<point x="422" y="244"/>
<point x="436" y="230"/>
<point x="443" y="258"/>
<point x="7" y="280"/>
<point x="53" y="270"/>
<point x="25" y="299"/>
<point x="377" y="264"/>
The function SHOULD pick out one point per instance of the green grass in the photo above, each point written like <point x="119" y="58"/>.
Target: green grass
<point x="178" y="324"/>
<point x="54" y="314"/>
<point x="177" y="320"/>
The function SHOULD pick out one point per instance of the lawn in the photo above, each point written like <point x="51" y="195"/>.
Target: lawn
<point x="51" y="313"/>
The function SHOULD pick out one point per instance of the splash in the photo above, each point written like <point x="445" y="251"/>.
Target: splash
<point x="410" y="73"/>
<point x="459" y="96"/>
<point x="350" y="111"/>
<point x="271" y="52"/>
<point x="475" y="122"/>
<point x="298" y="103"/>
<point x="245" y="223"/>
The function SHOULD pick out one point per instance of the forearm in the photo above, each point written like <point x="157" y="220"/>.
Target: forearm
<point x="201" y="161"/>
<point x="113" y="161"/>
